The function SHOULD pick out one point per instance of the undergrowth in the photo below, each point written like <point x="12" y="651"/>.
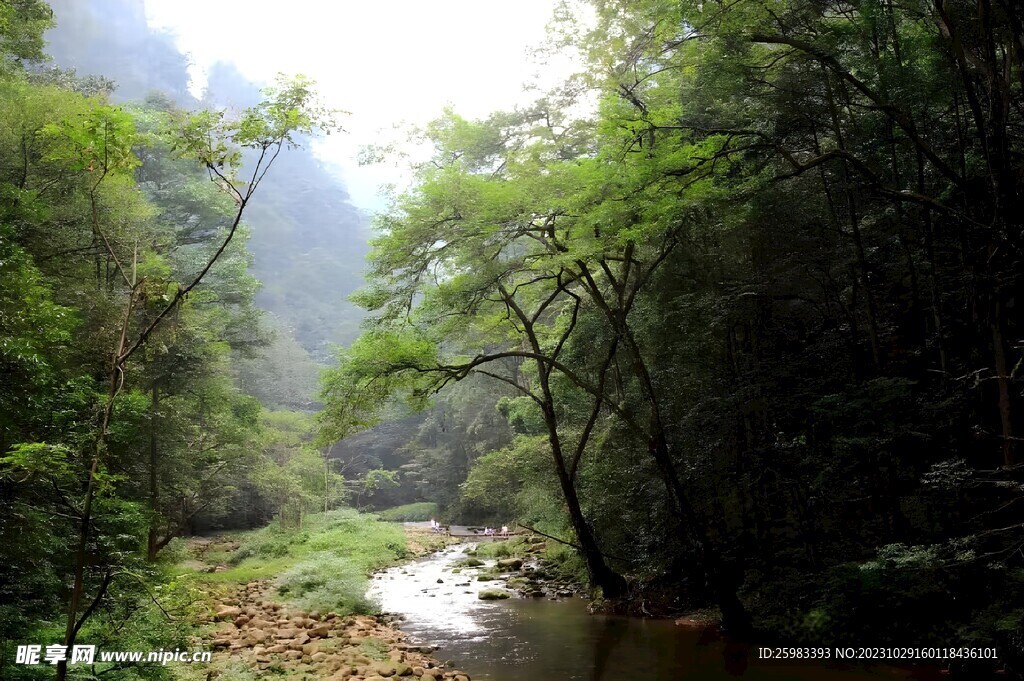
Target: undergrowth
<point x="323" y="566"/>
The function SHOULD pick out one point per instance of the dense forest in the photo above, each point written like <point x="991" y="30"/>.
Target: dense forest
<point x="132" y="352"/>
<point x="731" y="313"/>
<point x="752" y="324"/>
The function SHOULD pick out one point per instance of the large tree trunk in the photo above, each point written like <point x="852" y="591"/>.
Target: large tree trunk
<point x="612" y="584"/>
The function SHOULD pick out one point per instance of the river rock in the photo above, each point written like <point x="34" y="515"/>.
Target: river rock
<point x="510" y="564"/>
<point x="384" y="668"/>
<point x="493" y="594"/>
<point x="425" y="649"/>
<point x="228" y="612"/>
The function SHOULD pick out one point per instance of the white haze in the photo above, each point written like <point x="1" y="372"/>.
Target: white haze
<point x="387" y="62"/>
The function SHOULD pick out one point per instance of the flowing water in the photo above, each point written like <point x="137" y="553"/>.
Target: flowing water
<point x="535" y="639"/>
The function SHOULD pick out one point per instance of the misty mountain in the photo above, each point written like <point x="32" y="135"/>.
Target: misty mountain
<point x="308" y="240"/>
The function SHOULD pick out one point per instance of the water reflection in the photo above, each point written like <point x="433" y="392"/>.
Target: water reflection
<point x="541" y="640"/>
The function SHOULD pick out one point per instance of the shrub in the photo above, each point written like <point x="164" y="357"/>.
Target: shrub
<point x="327" y="582"/>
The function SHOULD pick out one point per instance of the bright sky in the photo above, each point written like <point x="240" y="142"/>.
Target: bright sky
<point x="386" y="61"/>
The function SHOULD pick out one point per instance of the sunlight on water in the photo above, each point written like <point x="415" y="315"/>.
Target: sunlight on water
<point x="543" y="640"/>
<point x="451" y="607"/>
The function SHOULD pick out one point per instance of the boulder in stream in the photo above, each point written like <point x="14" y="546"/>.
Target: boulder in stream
<point x="493" y="594"/>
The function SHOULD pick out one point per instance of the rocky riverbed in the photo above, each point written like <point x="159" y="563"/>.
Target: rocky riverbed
<point x="251" y="631"/>
<point x="527" y="576"/>
<point x="271" y="638"/>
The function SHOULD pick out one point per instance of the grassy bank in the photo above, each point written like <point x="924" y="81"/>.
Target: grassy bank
<point x="325" y="565"/>
<point x="418" y="512"/>
<point x="291" y="603"/>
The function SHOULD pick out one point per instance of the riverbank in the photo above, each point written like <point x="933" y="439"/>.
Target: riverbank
<point x="258" y="633"/>
<point x="291" y="603"/>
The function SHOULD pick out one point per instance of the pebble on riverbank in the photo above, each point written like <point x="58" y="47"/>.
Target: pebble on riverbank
<point x="274" y="639"/>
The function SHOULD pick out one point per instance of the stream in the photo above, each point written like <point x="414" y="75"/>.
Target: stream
<point x="537" y="639"/>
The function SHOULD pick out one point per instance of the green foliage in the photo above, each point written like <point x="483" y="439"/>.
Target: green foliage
<point x="378" y="365"/>
<point x="738" y="309"/>
<point x="112" y="380"/>
<point x="379" y="478"/>
<point x="22" y="24"/>
<point x="359" y="537"/>
<point x="515" y="482"/>
<point x="750" y="325"/>
<point x="566" y="563"/>
<point x="506" y="548"/>
<point x="415" y="512"/>
<point x="326" y="582"/>
<point x="288" y="111"/>
<point x="100" y="141"/>
<point x="324" y="566"/>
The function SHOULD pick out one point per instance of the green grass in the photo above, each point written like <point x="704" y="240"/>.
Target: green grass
<point x="326" y="582"/>
<point x="418" y="512"/>
<point x="324" y="566"/>
<point x="503" y="548"/>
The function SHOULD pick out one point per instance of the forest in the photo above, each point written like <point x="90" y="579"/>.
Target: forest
<point x="729" y="317"/>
